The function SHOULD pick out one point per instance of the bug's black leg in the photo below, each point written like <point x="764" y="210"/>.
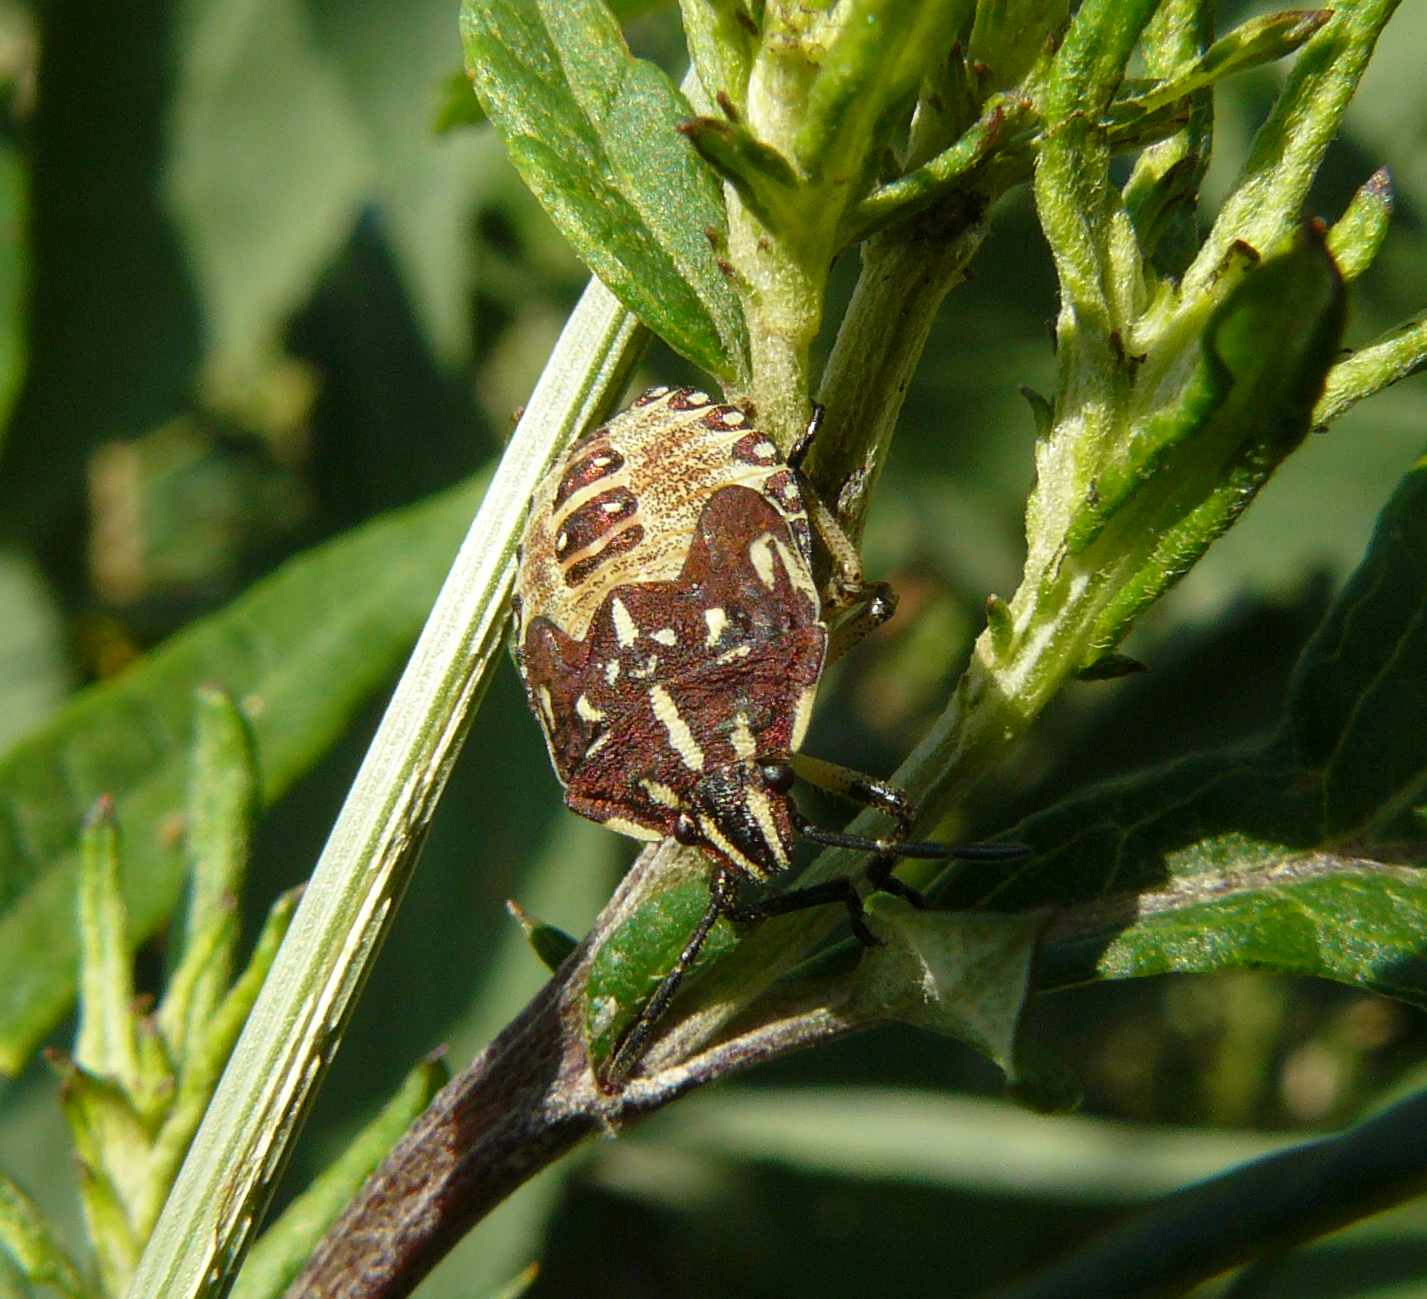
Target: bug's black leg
<point x="804" y="444"/>
<point x="814" y="895"/>
<point x="636" y="1041"/>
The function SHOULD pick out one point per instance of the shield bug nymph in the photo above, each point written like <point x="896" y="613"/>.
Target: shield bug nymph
<point x="670" y="636"/>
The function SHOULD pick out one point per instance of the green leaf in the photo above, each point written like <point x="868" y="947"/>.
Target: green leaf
<point x="964" y="975"/>
<point x="635" y="958"/>
<point x="1189" y="471"/>
<point x="107" y="1041"/>
<point x="720" y="35"/>
<point x="1288" y="855"/>
<point x="29" y="1240"/>
<point x="222" y="810"/>
<point x="278" y="1255"/>
<point x="33" y="647"/>
<point x="866" y="78"/>
<point x="1262" y="1209"/>
<point x="594" y="133"/>
<point x="1357" y="236"/>
<point x="266" y="169"/>
<point x="762" y="176"/>
<point x="1008" y="36"/>
<point x="1357" y="711"/>
<point x="550" y="943"/>
<point x="302" y="651"/>
<point x="1259" y="41"/>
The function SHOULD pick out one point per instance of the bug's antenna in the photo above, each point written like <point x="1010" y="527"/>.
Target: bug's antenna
<point x="925" y="849"/>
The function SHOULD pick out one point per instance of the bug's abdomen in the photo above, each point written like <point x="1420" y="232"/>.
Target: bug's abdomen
<point x="623" y="505"/>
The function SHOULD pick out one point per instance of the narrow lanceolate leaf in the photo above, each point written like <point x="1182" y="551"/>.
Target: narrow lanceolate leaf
<point x="1259" y="41"/>
<point x="1358" y="234"/>
<point x="1297" y="854"/>
<point x="302" y="652"/>
<point x="1190" y="470"/>
<point x="594" y="133"/>
<point x="30" y="1243"/>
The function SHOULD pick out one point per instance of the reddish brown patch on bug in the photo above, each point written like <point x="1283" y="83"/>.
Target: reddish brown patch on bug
<point x="754" y="448"/>
<point x="601" y="462"/>
<point x="617" y="545"/>
<point x="783" y="488"/>
<point x="723" y="418"/>
<point x="682" y="399"/>
<point x="597" y="516"/>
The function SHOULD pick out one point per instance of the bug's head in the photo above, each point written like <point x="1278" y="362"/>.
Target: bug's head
<point x="740" y="813"/>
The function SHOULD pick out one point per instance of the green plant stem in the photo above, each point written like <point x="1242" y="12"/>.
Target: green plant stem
<point x="899" y="291"/>
<point x="291" y="1035"/>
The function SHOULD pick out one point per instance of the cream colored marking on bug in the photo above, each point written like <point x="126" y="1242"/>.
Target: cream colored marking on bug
<point x="611" y="671"/>
<point x="741" y="737"/>
<point x="587" y="710"/>
<point x="762" y="808"/>
<point x="760" y="554"/>
<point x="547" y="706"/>
<point x="802" y="715"/>
<point x="632" y="828"/>
<point x="660" y="793"/>
<point x="599" y="742"/>
<point x="562" y="541"/>
<point x="699" y="398"/>
<point x="665" y="636"/>
<point x="680" y="736"/>
<point x="765" y="450"/>
<point x="710" y="831"/>
<point x="613" y="507"/>
<point x="736" y="653"/>
<point x="624" y="629"/>
<point x="646" y="669"/>
<point x="715" y="619"/>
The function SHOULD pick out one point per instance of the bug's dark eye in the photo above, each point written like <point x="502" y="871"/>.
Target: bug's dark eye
<point x="686" y="830"/>
<point x="778" y="776"/>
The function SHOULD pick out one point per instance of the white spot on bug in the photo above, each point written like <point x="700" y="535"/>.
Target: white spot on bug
<point x="624" y="629"/>
<point x="586" y="710"/>
<point x="600" y="741"/>
<point x="562" y="542"/>
<point x="734" y="418"/>
<point x="665" y="636"/>
<point x="741" y="737"/>
<point x="698" y="398"/>
<point x="611" y="671"/>
<point x="613" y="507"/>
<point x="599" y="462"/>
<point x="734" y="654"/>
<point x="646" y="669"/>
<point x="716" y="619"/>
<point x="680" y="736"/>
<point x="765" y="450"/>
<point x="760" y="554"/>
<point x="661" y="793"/>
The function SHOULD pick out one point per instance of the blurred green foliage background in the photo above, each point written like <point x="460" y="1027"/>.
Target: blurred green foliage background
<point x="249" y="298"/>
